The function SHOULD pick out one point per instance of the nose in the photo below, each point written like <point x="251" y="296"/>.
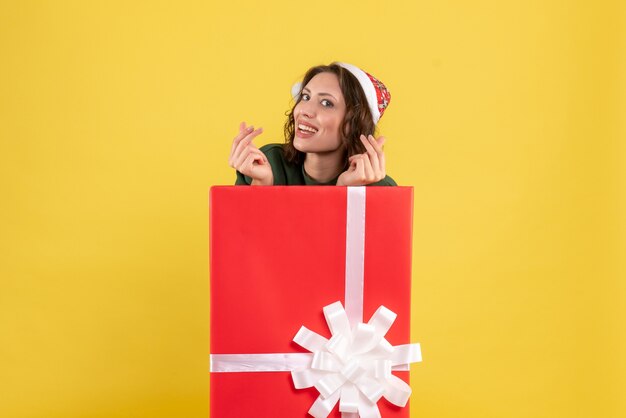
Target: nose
<point x="306" y="109"/>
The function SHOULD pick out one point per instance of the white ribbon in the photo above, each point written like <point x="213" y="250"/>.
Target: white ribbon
<point x="353" y="367"/>
<point x="275" y="362"/>
<point x="355" y="253"/>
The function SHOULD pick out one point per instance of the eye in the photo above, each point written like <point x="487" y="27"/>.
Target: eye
<point x="327" y="103"/>
<point x="305" y="97"/>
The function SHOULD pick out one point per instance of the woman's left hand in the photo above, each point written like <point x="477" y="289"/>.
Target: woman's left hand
<point x="366" y="168"/>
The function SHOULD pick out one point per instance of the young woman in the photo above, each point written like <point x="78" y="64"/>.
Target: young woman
<point x="329" y="134"/>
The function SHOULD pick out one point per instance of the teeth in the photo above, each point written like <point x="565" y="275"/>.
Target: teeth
<point x="306" y="128"/>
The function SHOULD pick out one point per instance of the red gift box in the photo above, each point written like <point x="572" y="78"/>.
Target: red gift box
<point x="277" y="257"/>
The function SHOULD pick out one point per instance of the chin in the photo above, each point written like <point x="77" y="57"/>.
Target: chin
<point x="300" y="145"/>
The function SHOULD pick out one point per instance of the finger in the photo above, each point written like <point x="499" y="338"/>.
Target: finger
<point x="248" y="164"/>
<point x="249" y="150"/>
<point x="243" y="132"/>
<point x="262" y="156"/>
<point x="370" y="176"/>
<point x="360" y="170"/>
<point x="240" y="158"/>
<point x="381" y="141"/>
<point x="371" y="152"/>
<point x="353" y="159"/>
<point x="238" y="139"/>
<point x="379" y="170"/>
<point x="254" y="134"/>
<point x="244" y="142"/>
<point x="352" y="165"/>
<point x="378" y="145"/>
<point x="245" y="126"/>
<point x="248" y="139"/>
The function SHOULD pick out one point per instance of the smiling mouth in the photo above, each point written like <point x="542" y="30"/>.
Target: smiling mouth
<point x="306" y="128"/>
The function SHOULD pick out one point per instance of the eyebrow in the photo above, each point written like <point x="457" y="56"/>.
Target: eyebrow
<point x="321" y="94"/>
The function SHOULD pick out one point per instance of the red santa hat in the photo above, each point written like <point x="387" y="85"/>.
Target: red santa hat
<point x="378" y="97"/>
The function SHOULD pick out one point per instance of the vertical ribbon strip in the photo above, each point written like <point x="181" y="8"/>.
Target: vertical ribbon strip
<point x="355" y="254"/>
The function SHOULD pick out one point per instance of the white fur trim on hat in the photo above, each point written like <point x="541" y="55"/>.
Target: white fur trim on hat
<point x="368" y="88"/>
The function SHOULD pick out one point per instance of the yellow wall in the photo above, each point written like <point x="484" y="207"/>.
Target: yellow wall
<point x="506" y="117"/>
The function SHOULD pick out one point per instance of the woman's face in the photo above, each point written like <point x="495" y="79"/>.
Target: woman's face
<point x="319" y="114"/>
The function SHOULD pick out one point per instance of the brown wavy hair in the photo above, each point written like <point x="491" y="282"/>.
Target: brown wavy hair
<point x="357" y="121"/>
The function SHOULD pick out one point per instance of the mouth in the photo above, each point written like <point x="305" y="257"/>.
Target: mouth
<point x="305" y="128"/>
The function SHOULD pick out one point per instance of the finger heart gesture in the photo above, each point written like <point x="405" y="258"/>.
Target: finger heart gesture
<point x="365" y="168"/>
<point x="246" y="158"/>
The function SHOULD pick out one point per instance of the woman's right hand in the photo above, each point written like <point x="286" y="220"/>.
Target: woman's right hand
<point x="246" y="158"/>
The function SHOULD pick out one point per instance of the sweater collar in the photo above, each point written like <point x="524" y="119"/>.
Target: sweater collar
<point x="310" y="181"/>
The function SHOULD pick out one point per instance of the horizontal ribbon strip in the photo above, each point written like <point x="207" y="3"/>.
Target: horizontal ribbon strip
<point x="275" y="362"/>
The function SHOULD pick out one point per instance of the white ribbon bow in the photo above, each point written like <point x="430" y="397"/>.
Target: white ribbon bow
<point x="354" y="366"/>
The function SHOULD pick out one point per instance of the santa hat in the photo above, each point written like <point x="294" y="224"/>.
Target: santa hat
<point x="378" y="97"/>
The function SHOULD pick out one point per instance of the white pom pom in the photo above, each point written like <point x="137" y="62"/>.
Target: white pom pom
<point x="295" y="90"/>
